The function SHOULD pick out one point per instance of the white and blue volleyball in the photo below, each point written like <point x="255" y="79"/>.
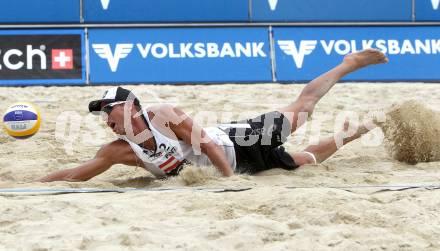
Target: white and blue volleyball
<point x="22" y="120"/>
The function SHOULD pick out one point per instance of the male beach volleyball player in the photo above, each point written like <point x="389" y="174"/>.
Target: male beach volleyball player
<point x="162" y="138"/>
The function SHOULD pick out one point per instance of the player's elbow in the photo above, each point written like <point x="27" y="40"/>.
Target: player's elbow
<point x="209" y="147"/>
<point x="111" y="153"/>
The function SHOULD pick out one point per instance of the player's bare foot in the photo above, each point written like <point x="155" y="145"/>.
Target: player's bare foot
<point x="354" y="130"/>
<point x="364" y="58"/>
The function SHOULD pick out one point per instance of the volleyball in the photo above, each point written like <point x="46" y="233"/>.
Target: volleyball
<point x="22" y="120"/>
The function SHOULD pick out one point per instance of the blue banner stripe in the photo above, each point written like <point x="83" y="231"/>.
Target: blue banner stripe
<point x="331" y="10"/>
<point x="166" y="11"/>
<point x="428" y="10"/>
<point x="171" y="11"/>
<point x="47" y="11"/>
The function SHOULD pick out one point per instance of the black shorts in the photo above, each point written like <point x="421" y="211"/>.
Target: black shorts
<point x="258" y="141"/>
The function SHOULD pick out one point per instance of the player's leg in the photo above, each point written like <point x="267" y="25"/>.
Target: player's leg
<point x="316" y="89"/>
<point x="315" y="154"/>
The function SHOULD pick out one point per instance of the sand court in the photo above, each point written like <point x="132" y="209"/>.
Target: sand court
<point x="361" y="198"/>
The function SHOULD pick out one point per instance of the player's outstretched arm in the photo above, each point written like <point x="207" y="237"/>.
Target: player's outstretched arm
<point x="117" y="152"/>
<point x="83" y="172"/>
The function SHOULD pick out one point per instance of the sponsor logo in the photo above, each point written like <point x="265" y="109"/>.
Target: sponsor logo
<point x="344" y="47"/>
<point x="178" y="51"/>
<point x="105" y="4"/>
<point x="40" y="57"/>
<point x="105" y="52"/>
<point x="62" y="59"/>
<point x="435" y="4"/>
<point x="306" y="47"/>
<point x="13" y="59"/>
<point x="273" y="4"/>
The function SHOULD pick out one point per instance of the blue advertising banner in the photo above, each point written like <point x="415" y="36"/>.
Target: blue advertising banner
<point x="303" y="53"/>
<point x="331" y="10"/>
<point x="43" y="11"/>
<point x="42" y="57"/>
<point x="184" y="55"/>
<point x="428" y="10"/>
<point x="102" y="11"/>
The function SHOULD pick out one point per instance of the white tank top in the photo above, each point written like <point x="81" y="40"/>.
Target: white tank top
<point x="170" y="153"/>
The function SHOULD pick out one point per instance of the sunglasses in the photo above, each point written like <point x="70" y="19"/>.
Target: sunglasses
<point x="109" y="107"/>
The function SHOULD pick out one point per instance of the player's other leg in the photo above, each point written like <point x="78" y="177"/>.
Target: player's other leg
<point x="315" y="154"/>
<point x="304" y="105"/>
